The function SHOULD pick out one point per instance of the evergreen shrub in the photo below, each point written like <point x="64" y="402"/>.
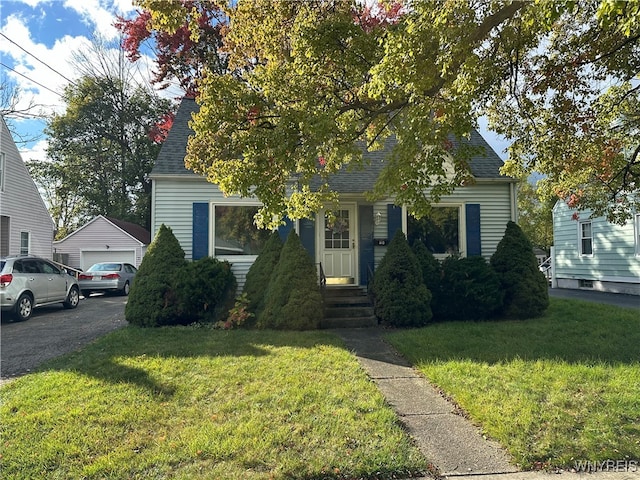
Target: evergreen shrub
<point x="260" y="272"/>
<point x="431" y="274"/>
<point x="401" y="297"/>
<point x="152" y="300"/>
<point x="469" y="290"/>
<point x="525" y="286"/>
<point x="292" y="300"/>
<point x="205" y="291"/>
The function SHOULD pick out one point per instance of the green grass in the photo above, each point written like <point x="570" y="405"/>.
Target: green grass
<point x="192" y="403"/>
<point x="552" y="390"/>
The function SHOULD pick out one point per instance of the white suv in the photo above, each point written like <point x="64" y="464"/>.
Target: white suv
<point x="29" y="282"/>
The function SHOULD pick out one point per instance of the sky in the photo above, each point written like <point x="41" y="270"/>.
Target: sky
<point x="37" y="41"/>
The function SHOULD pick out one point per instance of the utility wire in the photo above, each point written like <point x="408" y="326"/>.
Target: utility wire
<point x="30" y="79"/>
<point x="43" y="63"/>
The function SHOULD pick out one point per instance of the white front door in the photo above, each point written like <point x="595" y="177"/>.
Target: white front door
<point x="339" y="246"/>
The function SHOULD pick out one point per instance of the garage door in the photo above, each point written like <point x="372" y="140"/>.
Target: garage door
<point x="89" y="257"/>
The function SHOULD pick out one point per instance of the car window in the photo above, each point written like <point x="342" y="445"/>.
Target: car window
<point x="49" y="268"/>
<point x="130" y="268"/>
<point x="2" y="264"/>
<point x="18" y="267"/>
<point x="105" y="267"/>
<point x="31" y="266"/>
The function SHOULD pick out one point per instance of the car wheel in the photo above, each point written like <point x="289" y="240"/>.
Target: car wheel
<point x="72" y="299"/>
<point x="125" y="289"/>
<point x="24" y="307"/>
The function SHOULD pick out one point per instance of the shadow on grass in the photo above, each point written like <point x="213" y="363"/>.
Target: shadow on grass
<point x="107" y="358"/>
<point x="571" y="331"/>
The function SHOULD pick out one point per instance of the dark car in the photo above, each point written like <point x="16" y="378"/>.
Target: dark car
<point x="107" y="277"/>
<point x="27" y="282"/>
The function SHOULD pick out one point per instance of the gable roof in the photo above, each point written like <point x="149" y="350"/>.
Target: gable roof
<point x="133" y="230"/>
<point x="170" y="160"/>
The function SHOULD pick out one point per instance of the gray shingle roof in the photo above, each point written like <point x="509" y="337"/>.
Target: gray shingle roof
<point x="170" y="161"/>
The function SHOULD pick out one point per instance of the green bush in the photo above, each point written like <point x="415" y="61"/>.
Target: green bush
<point x="469" y="290"/>
<point x="525" y="286"/>
<point x="401" y="297"/>
<point x="152" y="300"/>
<point x="259" y="275"/>
<point x="431" y="273"/>
<point x="205" y="291"/>
<point x="292" y="300"/>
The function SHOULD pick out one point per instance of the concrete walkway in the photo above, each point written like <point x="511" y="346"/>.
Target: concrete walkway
<point x="450" y="442"/>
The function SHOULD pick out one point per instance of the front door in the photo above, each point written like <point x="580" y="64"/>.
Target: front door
<point x="339" y="246"/>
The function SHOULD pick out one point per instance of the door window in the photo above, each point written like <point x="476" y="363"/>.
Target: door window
<point x="337" y="232"/>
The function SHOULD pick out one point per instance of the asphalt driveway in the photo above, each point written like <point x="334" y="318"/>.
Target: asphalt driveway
<point x="53" y="331"/>
<point x="618" y="299"/>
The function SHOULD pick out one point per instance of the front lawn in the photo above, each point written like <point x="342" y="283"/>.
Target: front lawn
<point x="192" y="403"/>
<point x="556" y="390"/>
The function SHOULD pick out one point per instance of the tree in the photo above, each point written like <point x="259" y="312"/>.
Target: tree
<point x="306" y="80"/>
<point x="536" y="213"/>
<point x="57" y="184"/>
<point x="15" y="106"/>
<point x="183" y="51"/>
<point x="109" y="137"/>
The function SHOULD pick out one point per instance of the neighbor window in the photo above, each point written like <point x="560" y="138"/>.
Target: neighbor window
<point x="637" y="222"/>
<point x="439" y="230"/>
<point x="2" y="172"/>
<point x="235" y="232"/>
<point x="24" y="243"/>
<point x="586" y="239"/>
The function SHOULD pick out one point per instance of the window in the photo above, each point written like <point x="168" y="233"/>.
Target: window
<point x="235" y="232"/>
<point x="24" y="243"/>
<point x="337" y="232"/>
<point x="637" y="223"/>
<point x="2" y="172"/>
<point x="586" y="238"/>
<point x="439" y="231"/>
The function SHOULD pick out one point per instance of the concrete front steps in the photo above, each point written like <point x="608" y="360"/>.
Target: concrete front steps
<point x="347" y="306"/>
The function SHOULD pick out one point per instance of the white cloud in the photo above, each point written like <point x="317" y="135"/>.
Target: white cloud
<point x="36" y="152"/>
<point x="100" y="15"/>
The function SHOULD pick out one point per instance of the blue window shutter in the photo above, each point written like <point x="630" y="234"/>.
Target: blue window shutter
<point x="365" y="224"/>
<point x="200" y="231"/>
<point x="284" y="230"/>
<point x="308" y="236"/>
<point x="474" y="245"/>
<point x="394" y="220"/>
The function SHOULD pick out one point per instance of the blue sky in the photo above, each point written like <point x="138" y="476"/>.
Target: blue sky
<point x="51" y="30"/>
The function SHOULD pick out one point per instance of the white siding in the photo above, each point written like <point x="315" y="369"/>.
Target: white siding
<point x="94" y="237"/>
<point x="173" y="200"/>
<point x="22" y="204"/>
<point x="614" y="259"/>
<point x="495" y="211"/>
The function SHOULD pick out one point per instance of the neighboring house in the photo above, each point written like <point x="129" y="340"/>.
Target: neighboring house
<point x="26" y="226"/>
<point x="471" y="221"/>
<point x="103" y="239"/>
<point x="592" y="253"/>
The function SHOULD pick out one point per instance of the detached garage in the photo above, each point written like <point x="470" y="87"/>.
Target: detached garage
<point x="103" y="239"/>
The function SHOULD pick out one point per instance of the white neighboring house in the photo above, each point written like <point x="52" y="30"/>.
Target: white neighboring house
<point x="26" y="227"/>
<point x="592" y="253"/>
<point x="103" y="239"/>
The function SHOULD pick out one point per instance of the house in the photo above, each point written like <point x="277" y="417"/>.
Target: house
<point x="26" y="226"/>
<point x="103" y="239"/>
<point x="592" y="253"/>
<point x="470" y="221"/>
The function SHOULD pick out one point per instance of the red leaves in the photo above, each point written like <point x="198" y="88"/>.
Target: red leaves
<point x="378" y="15"/>
<point x="160" y="130"/>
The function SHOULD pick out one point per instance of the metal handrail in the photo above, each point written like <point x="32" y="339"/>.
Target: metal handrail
<point x="323" y="277"/>
<point x="369" y="279"/>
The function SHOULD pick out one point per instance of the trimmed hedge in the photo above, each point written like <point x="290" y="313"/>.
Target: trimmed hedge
<point x="292" y="300"/>
<point x="525" y="286"/>
<point x="469" y="290"/>
<point x="152" y="300"/>
<point x="401" y="297"/>
<point x="205" y="291"/>
<point x="260" y="273"/>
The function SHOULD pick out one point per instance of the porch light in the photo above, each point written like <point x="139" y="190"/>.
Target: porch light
<point x="378" y="218"/>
